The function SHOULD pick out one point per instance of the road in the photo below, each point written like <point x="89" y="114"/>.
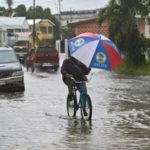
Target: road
<point x="37" y="119"/>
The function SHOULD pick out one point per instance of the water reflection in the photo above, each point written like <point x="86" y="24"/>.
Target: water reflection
<point x="78" y="133"/>
<point x="16" y="96"/>
<point x="129" y="107"/>
<point x="79" y="126"/>
<point x="120" y="120"/>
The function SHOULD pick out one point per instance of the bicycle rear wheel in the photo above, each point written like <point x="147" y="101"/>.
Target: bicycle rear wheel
<point x="86" y="107"/>
<point x="71" y="105"/>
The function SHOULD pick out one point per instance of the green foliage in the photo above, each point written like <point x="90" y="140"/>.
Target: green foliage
<point x="123" y="30"/>
<point x="38" y="13"/>
<point x="20" y="11"/>
<point x="2" y="11"/>
<point x="46" y="13"/>
<point x="68" y="33"/>
<point x="30" y="13"/>
<point x="130" y="70"/>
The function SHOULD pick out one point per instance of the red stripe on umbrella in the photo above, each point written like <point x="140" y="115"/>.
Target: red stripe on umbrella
<point x="113" y="56"/>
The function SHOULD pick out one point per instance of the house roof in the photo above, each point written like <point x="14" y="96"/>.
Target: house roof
<point x="30" y="21"/>
<point x="13" y="23"/>
<point x="81" y="21"/>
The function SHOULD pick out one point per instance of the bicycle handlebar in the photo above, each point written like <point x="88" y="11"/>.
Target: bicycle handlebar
<point x="73" y="79"/>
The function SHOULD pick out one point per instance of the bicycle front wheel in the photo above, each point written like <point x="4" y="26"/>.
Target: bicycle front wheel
<point x="86" y="107"/>
<point x="71" y="105"/>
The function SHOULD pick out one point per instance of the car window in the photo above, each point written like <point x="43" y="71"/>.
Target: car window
<point x="7" y="56"/>
<point x="21" y="43"/>
<point x="46" y="49"/>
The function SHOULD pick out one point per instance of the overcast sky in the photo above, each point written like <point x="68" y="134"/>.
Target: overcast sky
<point x="66" y="5"/>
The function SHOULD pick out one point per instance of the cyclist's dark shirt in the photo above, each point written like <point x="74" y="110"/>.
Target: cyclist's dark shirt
<point x="75" y="68"/>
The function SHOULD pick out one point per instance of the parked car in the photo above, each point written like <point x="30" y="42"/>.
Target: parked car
<point x="21" y="48"/>
<point x="11" y="73"/>
<point x="43" y="57"/>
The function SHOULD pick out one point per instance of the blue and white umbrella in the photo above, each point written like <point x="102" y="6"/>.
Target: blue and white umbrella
<point x="95" y="51"/>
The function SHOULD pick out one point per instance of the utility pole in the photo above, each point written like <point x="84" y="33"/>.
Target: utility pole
<point x="60" y="19"/>
<point x="34" y="32"/>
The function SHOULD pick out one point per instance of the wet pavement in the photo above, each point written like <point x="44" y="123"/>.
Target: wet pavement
<point x="37" y="119"/>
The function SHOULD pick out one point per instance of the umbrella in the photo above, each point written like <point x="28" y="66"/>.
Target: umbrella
<point x="95" y="51"/>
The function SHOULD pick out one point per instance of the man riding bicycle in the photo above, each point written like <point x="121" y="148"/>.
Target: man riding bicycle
<point x="76" y="69"/>
<point x="74" y="74"/>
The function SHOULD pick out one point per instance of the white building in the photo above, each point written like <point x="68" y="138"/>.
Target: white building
<point x="73" y="16"/>
<point x="17" y="28"/>
<point x="3" y="37"/>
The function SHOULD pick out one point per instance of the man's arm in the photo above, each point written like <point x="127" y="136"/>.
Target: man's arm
<point x="63" y="67"/>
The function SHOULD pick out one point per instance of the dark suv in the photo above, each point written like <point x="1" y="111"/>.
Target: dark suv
<point x="44" y="57"/>
<point x="21" y="49"/>
<point x="11" y="73"/>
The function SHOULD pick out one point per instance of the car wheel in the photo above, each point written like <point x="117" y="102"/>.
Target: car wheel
<point x="56" y="68"/>
<point x="22" y="88"/>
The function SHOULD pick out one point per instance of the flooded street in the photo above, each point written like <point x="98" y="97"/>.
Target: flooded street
<point x="37" y="119"/>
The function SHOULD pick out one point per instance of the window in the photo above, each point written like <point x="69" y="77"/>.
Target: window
<point x="43" y="29"/>
<point x="18" y="30"/>
<point x="50" y="30"/>
<point x="7" y="56"/>
<point x="10" y="32"/>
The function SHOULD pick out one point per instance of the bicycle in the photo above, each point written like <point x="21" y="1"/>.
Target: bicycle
<point x="83" y="102"/>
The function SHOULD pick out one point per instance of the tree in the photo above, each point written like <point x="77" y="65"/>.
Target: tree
<point x="2" y="11"/>
<point x="20" y="11"/>
<point x="47" y="13"/>
<point x="39" y="13"/>
<point x="123" y="30"/>
<point x="10" y="10"/>
<point x="30" y="13"/>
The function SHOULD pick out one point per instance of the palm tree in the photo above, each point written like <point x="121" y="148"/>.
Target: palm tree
<point x="9" y="4"/>
<point x="123" y="28"/>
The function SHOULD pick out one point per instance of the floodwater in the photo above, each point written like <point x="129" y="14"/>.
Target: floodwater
<point x="37" y="119"/>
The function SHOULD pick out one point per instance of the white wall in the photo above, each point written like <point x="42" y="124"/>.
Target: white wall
<point x="58" y="46"/>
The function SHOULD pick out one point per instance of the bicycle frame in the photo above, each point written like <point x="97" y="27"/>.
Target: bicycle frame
<point x="82" y="101"/>
<point x="82" y="90"/>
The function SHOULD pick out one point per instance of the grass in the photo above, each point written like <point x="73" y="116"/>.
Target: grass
<point x="142" y="70"/>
